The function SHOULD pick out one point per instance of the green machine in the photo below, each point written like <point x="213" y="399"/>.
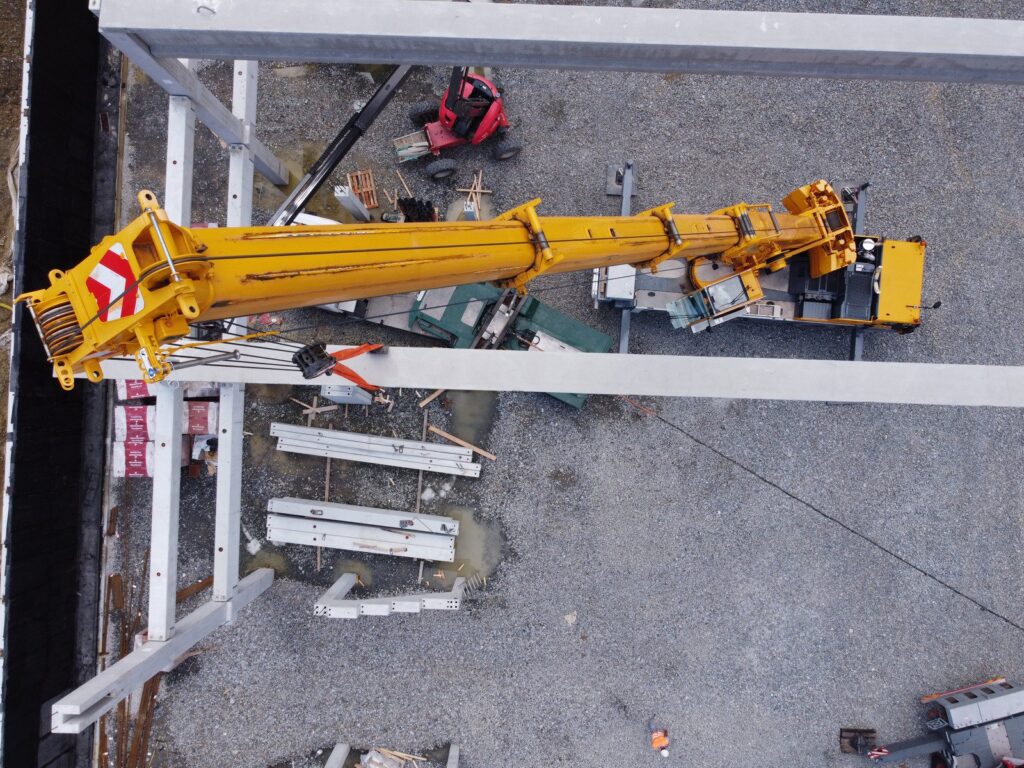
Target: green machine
<point x="482" y="316"/>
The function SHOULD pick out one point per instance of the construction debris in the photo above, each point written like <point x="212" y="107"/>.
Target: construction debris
<point x="404" y="185"/>
<point x="333" y="605"/>
<point x="430" y="398"/>
<point x="459" y="441"/>
<point x="370" y="449"/>
<point x="362" y="185"/>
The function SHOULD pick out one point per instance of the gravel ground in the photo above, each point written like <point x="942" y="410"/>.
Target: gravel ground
<point x="756" y="575"/>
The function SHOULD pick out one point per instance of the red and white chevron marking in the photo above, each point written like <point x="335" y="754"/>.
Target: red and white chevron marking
<point x="110" y="278"/>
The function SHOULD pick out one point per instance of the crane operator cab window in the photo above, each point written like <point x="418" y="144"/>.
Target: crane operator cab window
<point x="694" y="309"/>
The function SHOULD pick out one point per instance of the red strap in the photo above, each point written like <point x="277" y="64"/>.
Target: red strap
<point x="347" y="373"/>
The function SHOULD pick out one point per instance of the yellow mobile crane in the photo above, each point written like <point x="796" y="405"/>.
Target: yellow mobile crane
<point x="139" y="289"/>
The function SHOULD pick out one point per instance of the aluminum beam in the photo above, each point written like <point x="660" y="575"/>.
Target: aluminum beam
<point x="359" y="538"/>
<point x="87" y="703"/>
<point x="653" y="375"/>
<point x="571" y="37"/>
<point x="240" y="156"/>
<point x="332" y="605"/>
<point x="171" y="75"/>
<point x="227" y="531"/>
<point x="350" y="513"/>
<point x="163" y="547"/>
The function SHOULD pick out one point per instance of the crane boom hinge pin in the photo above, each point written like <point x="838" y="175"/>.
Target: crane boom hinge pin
<point x="675" y="240"/>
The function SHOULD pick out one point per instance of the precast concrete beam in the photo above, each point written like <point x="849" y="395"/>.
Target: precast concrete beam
<point x="432" y="32"/>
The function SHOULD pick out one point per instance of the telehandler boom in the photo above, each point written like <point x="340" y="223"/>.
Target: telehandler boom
<point x="140" y="288"/>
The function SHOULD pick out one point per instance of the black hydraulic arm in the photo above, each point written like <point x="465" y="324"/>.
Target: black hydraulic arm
<point x="921" y="746"/>
<point x="343" y="142"/>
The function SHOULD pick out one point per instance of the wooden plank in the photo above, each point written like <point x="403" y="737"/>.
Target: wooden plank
<point x="459" y="441"/>
<point x="429" y="399"/>
<point x="191" y="590"/>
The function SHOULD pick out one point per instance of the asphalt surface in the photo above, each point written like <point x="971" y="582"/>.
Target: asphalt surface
<point x="754" y="575"/>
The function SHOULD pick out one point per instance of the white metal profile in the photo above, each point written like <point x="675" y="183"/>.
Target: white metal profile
<point x="350" y="513"/>
<point x="285" y="529"/>
<point x="332" y="604"/>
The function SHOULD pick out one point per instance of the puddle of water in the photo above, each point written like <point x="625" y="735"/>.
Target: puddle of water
<point x="479" y="547"/>
<point x="472" y="414"/>
<point x="262" y="452"/>
<point x="268" y="557"/>
<point x="358" y="567"/>
<point x="297" y="160"/>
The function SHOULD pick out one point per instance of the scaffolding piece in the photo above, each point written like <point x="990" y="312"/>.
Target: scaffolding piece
<point x="350" y="513"/>
<point x="285" y="529"/>
<point x="431" y="32"/>
<point x="332" y="604"/>
<point x="371" y="449"/>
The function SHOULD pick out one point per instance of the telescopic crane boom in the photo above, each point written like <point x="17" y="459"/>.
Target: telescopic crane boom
<point x="140" y="288"/>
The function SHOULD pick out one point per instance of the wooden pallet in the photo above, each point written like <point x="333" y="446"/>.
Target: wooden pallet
<point x="361" y="183"/>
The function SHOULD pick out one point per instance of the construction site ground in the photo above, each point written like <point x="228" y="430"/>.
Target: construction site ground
<point x="752" y="574"/>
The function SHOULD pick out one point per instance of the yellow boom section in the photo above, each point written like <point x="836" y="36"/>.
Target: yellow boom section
<point x="140" y="288"/>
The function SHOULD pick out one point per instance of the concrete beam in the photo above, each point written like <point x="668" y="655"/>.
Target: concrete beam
<point x="176" y="79"/>
<point x="618" y="374"/>
<point x="181" y="139"/>
<point x="240" y="168"/>
<point x="230" y="455"/>
<point x="86" y="704"/>
<point x="163" y="547"/>
<point x="573" y="37"/>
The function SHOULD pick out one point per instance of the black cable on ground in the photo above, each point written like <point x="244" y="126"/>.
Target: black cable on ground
<point x="845" y="526"/>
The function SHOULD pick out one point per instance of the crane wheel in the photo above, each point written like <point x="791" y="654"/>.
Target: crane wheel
<point x="507" y="149"/>
<point x="423" y="112"/>
<point x="439" y="170"/>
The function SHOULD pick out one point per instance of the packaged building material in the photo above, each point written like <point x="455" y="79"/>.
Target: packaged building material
<point x="134" y="423"/>
<point x="200" y="417"/>
<point x="138" y="422"/>
<point x="134" y="389"/>
<point x="134" y="458"/>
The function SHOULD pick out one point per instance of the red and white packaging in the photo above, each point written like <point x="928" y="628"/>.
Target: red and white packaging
<point x="201" y="417"/>
<point x="134" y="422"/>
<point x="134" y="389"/>
<point x="134" y="458"/>
<point x="138" y="422"/>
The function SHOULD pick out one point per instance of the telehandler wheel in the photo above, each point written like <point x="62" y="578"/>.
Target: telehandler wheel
<point x="439" y="170"/>
<point x="423" y="112"/>
<point x="507" y="149"/>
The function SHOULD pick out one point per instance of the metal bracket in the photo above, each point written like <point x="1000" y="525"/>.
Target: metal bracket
<point x="675" y="241"/>
<point x="616" y="177"/>
<point x="545" y="258"/>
